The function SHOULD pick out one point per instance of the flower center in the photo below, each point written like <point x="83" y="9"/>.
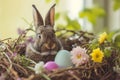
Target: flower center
<point x="97" y="55"/>
<point x="78" y="56"/>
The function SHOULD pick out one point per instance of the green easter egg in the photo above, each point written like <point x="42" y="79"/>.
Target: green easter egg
<point x="62" y="59"/>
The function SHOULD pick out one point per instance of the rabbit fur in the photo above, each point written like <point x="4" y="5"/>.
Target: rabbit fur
<point x="46" y="43"/>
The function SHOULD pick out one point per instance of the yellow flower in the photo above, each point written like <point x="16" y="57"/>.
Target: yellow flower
<point x="97" y="55"/>
<point x="102" y="37"/>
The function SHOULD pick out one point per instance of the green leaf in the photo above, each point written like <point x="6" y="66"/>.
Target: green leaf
<point x="60" y="26"/>
<point x="92" y="19"/>
<point x="57" y="1"/>
<point x="94" y="44"/>
<point x="107" y="52"/>
<point x="57" y="16"/>
<point x="58" y="33"/>
<point x="110" y="36"/>
<point x="84" y="13"/>
<point x="98" y="11"/>
<point x="92" y="14"/>
<point x="72" y="24"/>
<point x="116" y="6"/>
<point x="47" y="1"/>
<point x="70" y="27"/>
<point x="116" y="39"/>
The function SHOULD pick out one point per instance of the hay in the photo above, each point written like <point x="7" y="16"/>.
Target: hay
<point x="14" y="65"/>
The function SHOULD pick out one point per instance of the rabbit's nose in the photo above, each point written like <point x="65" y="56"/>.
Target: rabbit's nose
<point x="53" y="46"/>
<point x="50" y="47"/>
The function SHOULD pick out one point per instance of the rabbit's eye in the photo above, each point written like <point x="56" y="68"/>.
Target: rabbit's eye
<point x="38" y="35"/>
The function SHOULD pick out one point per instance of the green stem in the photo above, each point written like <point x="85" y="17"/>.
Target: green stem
<point x="45" y="76"/>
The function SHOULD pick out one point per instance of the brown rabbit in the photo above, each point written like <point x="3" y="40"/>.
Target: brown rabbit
<point x="46" y="43"/>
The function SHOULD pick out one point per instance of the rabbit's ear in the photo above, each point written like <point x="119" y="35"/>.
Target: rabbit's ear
<point x="38" y="20"/>
<point x="49" y="20"/>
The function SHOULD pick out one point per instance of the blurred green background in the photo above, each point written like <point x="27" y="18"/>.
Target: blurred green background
<point x="88" y="15"/>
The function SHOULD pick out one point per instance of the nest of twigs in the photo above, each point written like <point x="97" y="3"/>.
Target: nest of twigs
<point x="14" y="65"/>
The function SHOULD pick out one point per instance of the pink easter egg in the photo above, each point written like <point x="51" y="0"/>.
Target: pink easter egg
<point x="51" y="65"/>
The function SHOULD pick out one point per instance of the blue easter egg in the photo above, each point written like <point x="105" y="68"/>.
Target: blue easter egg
<point x="62" y="59"/>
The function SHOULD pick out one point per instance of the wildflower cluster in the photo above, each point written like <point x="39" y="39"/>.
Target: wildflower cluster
<point x="80" y="55"/>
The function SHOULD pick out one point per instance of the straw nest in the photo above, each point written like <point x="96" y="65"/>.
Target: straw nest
<point x="14" y="65"/>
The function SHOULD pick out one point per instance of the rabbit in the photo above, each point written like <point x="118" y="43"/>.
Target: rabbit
<point x="46" y="43"/>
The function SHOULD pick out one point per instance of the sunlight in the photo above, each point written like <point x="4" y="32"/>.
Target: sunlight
<point x="74" y="7"/>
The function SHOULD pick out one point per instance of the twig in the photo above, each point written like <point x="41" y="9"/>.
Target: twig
<point x="74" y="76"/>
<point x="21" y="68"/>
<point x="14" y="73"/>
<point x="5" y="39"/>
<point x="106" y="76"/>
<point x="8" y="60"/>
<point x="17" y="41"/>
<point x="3" y="66"/>
<point x="29" y="78"/>
<point x="71" y="68"/>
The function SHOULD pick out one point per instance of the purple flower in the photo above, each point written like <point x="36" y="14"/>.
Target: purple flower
<point x="11" y="55"/>
<point x="14" y="54"/>
<point x="30" y="40"/>
<point x="21" y="31"/>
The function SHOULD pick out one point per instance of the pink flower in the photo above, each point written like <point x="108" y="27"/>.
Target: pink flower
<point x="11" y="55"/>
<point x="21" y="31"/>
<point x="79" y="56"/>
<point x="30" y="40"/>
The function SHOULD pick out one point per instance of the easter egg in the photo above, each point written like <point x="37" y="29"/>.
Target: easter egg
<point x="63" y="59"/>
<point x="51" y="65"/>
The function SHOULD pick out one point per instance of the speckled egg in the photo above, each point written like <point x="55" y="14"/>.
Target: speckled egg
<point x="50" y="65"/>
<point x="63" y="59"/>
